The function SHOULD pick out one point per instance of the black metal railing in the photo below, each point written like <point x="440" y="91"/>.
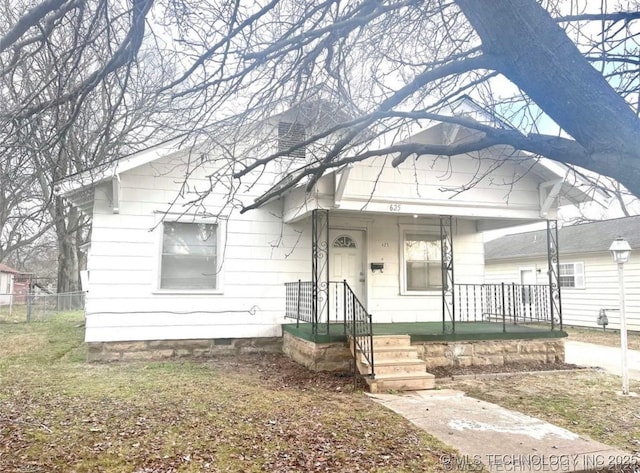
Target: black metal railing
<point x="359" y="328"/>
<point x="343" y="309"/>
<point x="299" y="302"/>
<point x="508" y="303"/>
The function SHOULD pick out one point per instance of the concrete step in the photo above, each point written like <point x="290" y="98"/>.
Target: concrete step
<point x="394" y="366"/>
<point x="401" y="382"/>
<point x="397" y="365"/>
<point x="396" y="353"/>
<point x="384" y="341"/>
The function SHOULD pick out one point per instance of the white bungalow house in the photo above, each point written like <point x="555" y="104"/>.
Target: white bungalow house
<point x="6" y="283"/>
<point x="588" y="275"/>
<point x="171" y="262"/>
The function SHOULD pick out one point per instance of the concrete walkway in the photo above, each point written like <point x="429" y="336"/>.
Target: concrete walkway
<point x="600" y="356"/>
<point x="501" y="439"/>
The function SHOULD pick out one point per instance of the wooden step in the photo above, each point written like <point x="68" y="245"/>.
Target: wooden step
<point x="401" y="382"/>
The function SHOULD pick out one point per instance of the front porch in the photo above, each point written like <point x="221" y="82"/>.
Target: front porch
<point x="403" y="354"/>
<point x="429" y="318"/>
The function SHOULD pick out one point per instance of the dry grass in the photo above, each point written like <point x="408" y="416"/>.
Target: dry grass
<point x="585" y="402"/>
<point x="250" y="414"/>
<point x="602" y="337"/>
<point x="15" y="313"/>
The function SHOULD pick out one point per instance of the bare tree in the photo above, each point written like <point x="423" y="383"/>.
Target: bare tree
<point x="395" y="63"/>
<point x="23" y="218"/>
<point x="389" y="62"/>
<point x="227" y="65"/>
<point x="74" y="97"/>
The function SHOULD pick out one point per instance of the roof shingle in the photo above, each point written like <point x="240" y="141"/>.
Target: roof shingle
<point x="583" y="238"/>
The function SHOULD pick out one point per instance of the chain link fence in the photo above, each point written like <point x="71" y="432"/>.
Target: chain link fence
<point x="33" y="307"/>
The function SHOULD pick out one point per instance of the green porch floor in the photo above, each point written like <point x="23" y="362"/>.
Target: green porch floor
<point x="429" y="331"/>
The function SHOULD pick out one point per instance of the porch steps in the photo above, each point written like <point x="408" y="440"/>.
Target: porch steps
<point x="396" y="364"/>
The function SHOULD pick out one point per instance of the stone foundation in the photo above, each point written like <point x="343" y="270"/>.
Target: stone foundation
<point x="490" y="352"/>
<point x="172" y="349"/>
<point x="333" y="356"/>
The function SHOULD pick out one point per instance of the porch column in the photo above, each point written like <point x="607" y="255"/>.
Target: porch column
<point x="320" y="268"/>
<point x="448" y="288"/>
<point x="553" y="269"/>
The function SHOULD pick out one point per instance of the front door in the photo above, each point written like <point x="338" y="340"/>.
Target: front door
<point x="346" y="262"/>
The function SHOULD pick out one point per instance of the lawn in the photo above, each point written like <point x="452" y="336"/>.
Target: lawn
<point x="585" y="401"/>
<point x="14" y="313"/>
<point x="248" y="413"/>
<point x="607" y="337"/>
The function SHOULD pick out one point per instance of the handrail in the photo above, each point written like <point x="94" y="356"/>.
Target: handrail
<point x="358" y="325"/>
<point x="348" y="310"/>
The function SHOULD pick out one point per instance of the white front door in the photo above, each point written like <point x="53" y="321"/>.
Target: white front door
<point x="346" y="260"/>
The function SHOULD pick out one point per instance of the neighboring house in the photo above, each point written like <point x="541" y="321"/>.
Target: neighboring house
<point x="170" y="261"/>
<point x="588" y="275"/>
<point x="13" y="286"/>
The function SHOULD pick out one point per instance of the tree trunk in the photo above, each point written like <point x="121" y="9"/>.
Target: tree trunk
<point x="536" y="54"/>
<point x="66" y="228"/>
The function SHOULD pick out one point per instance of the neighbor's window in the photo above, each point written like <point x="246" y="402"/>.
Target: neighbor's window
<point x="423" y="269"/>
<point x="572" y="275"/>
<point x="290" y="134"/>
<point x="189" y="256"/>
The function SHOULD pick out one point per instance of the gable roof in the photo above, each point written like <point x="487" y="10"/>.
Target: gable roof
<point x="79" y="188"/>
<point x="583" y="238"/>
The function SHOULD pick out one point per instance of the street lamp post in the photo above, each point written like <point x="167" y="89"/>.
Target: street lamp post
<point x="620" y="250"/>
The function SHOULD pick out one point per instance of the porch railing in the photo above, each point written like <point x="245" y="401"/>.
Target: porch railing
<point x="299" y="302"/>
<point x="337" y="306"/>
<point x="508" y="303"/>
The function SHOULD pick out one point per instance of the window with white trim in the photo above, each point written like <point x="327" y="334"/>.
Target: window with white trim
<point x="572" y="275"/>
<point x="422" y="262"/>
<point x="189" y="256"/>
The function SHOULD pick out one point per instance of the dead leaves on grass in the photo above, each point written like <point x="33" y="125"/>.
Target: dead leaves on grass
<point x="250" y="413"/>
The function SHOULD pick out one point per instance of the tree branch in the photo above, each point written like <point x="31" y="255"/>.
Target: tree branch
<point x="614" y="17"/>
<point x="29" y="20"/>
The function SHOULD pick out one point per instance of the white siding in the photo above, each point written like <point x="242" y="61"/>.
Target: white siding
<point x="433" y="181"/>
<point x="124" y="303"/>
<point x="581" y="306"/>
<point x="6" y="288"/>
<point x="261" y="252"/>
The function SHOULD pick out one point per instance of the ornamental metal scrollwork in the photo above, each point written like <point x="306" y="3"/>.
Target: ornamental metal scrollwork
<point x="448" y="287"/>
<point x="553" y="255"/>
<point x="320" y="268"/>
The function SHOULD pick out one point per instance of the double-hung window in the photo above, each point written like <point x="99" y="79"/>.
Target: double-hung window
<point x="572" y="275"/>
<point x="189" y="256"/>
<point x="422" y="262"/>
